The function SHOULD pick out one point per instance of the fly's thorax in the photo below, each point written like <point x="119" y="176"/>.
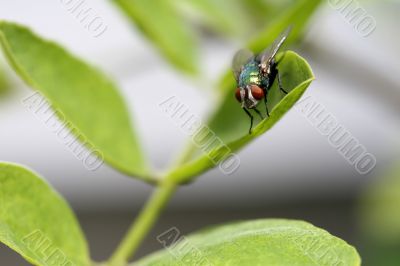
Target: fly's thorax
<point x="250" y="75"/>
<point x="251" y="82"/>
<point x="265" y="81"/>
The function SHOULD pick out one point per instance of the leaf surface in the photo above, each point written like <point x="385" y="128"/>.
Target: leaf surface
<point x="80" y="94"/>
<point x="36" y="222"/>
<point x="162" y="24"/>
<point x="270" y="242"/>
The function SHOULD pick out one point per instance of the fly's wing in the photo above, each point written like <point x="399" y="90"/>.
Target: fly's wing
<point x="268" y="54"/>
<point x="241" y="58"/>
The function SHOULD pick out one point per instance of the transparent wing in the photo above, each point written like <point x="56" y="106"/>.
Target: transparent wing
<point x="242" y="57"/>
<point x="268" y="54"/>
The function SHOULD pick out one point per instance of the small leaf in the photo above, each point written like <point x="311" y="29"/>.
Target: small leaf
<point x="297" y="16"/>
<point x="297" y="76"/>
<point x="261" y="242"/>
<point x="160" y="22"/>
<point x="84" y="96"/>
<point x="229" y="122"/>
<point x="36" y="222"/>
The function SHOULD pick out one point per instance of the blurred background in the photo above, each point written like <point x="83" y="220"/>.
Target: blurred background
<point x="290" y="172"/>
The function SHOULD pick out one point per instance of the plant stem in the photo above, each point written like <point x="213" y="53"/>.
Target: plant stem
<point x="185" y="156"/>
<point x="143" y="224"/>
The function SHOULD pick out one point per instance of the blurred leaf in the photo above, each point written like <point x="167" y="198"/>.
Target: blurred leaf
<point x="4" y="86"/>
<point x="297" y="76"/>
<point x="382" y="254"/>
<point x="36" y="222"/>
<point x="379" y="209"/>
<point x="261" y="242"/>
<point x="296" y="15"/>
<point x="160" y="22"/>
<point x="83" y="95"/>
<point x="228" y="18"/>
<point x="229" y="122"/>
<point x="379" y="219"/>
<point x="264" y="11"/>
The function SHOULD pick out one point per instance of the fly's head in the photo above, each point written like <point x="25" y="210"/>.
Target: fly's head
<point x="249" y="95"/>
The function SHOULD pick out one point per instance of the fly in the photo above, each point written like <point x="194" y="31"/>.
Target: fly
<point x="255" y="75"/>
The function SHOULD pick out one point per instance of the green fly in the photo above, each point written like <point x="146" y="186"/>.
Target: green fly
<point x="255" y="75"/>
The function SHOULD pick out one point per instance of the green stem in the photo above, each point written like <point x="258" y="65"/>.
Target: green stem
<point x="143" y="223"/>
<point x="185" y="156"/>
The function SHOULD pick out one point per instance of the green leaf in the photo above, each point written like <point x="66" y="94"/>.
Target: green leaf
<point x="261" y="242"/>
<point x="296" y="75"/>
<point x="36" y="222"/>
<point x="297" y="15"/>
<point x="379" y="220"/>
<point x="263" y="11"/>
<point x="229" y="122"/>
<point x="219" y="15"/>
<point x="162" y="24"/>
<point x="379" y="209"/>
<point x="88" y="100"/>
<point x="4" y="86"/>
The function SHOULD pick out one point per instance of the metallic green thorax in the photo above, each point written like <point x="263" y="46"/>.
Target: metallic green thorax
<point x="251" y="75"/>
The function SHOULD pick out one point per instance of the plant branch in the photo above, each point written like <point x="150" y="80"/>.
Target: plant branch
<point x="143" y="224"/>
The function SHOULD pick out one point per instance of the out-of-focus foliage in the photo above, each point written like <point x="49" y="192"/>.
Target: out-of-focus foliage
<point x="239" y="19"/>
<point x="380" y="208"/>
<point x="263" y="12"/>
<point x="259" y="242"/>
<point x="172" y="26"/>
<point x="379" y="219"/>
<point x="160" y="22"/>
<point x="219" y="16"/>
<point x="4" y="85"/>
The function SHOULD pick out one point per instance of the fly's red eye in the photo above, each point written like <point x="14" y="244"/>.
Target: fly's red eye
<point x="237" y="95"/>
<point x="257" y="92"/>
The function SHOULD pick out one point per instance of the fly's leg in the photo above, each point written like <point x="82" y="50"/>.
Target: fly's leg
<point x="259" y="113"/>
<point x="251" y="119"/>
<point x="265" y="101"/>
<point x="280" y="82"/>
